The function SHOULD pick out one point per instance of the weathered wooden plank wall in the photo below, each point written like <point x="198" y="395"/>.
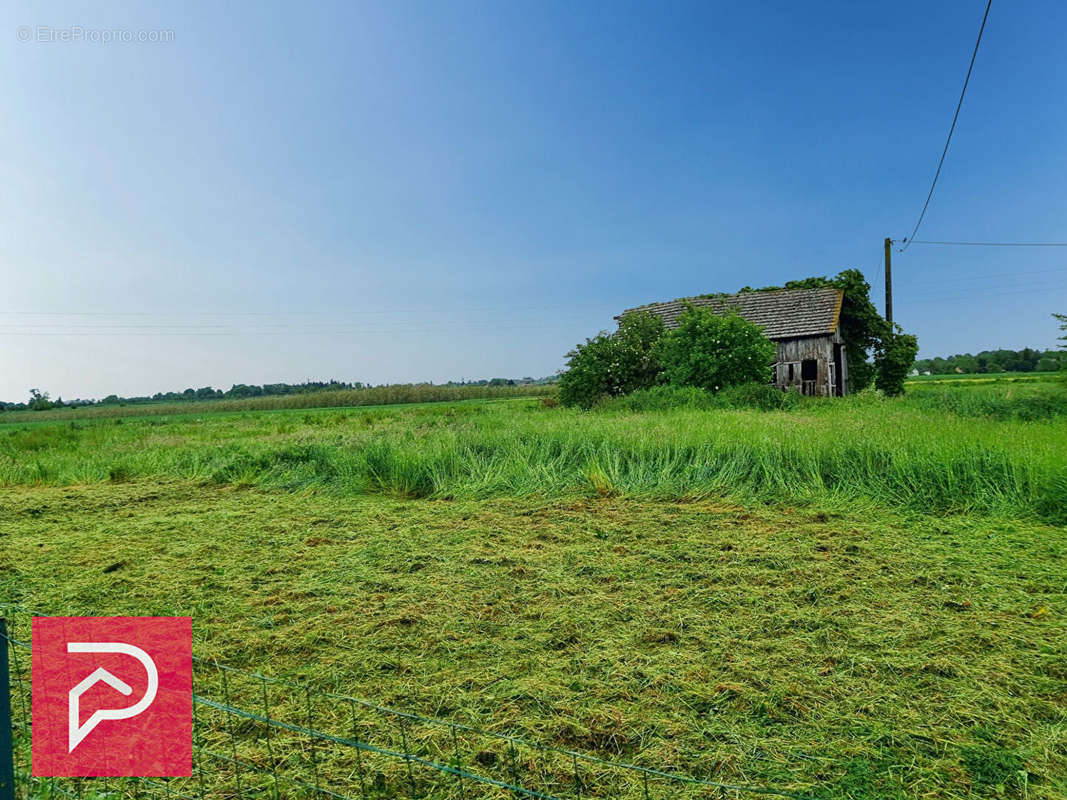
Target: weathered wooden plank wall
<point x="796" y="351"/>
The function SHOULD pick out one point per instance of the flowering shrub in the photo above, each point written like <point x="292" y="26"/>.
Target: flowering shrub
<point x="713" y="351"/>
<point x="610" y="365"/>
<point x="706" y="351"/>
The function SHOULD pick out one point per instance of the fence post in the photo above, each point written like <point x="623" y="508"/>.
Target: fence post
<point x="7" y="750"/>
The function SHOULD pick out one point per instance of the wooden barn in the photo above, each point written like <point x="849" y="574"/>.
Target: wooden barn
<point x="803" y="323"/>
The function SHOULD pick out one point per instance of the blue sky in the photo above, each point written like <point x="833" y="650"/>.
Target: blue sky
<point x="423" y="191"/>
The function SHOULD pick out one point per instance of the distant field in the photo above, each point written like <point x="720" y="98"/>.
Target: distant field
<point x="373" y="396"/>
<point x="989" y="377"/>
<point x="855" y="599"/>
<point x="1027" y="399"/>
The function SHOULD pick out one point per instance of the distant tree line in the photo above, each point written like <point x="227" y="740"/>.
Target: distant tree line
<point x="1025" y="360"/>
<point x="42" y="401"/>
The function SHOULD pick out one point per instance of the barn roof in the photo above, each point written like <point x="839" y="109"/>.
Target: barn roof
<point x="783" y="313"/>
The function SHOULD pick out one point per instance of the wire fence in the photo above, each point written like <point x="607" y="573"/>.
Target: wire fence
<point x="260" y="737"/>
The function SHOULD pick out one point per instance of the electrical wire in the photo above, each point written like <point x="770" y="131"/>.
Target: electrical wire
<point x="992" y="244"/>
<point x="500" y="309"/>
<point x="970" y="297"/>
<point x="952" y="129"/>
<point x="983" y="291"/>
<point x="958" y="278"/>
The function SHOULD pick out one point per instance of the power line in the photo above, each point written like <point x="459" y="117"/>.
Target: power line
<point x="339" y="325"/>
<point x="993" y="244"/>
<point x="956" y="279"/>
<point x="499" y="309"/>
<point x="987" y="291"/>
<point x="104" y="331"/>
<point x="950" y="130"/>
<point x="970" y="296"/>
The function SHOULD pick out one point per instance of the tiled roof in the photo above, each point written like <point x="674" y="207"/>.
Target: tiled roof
<point x="783" y="314"/>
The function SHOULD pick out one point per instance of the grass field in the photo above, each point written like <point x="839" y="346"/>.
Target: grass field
<point x="901" y="454"/>
<point x="853" y="599"/>
<point x="340" y="398"/>
<point x="986" y="377"/>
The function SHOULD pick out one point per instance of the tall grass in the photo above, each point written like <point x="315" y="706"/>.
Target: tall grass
<point x="1027" y="400"/>
<point x="832" y="452"/>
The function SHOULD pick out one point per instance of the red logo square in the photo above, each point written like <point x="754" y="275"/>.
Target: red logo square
<point x="112" y="696"/>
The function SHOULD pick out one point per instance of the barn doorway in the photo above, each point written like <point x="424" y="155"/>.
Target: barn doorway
<point x="839" y="388"/>
<point x="809" y="374"/>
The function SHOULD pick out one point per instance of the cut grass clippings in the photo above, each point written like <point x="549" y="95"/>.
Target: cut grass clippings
<point x="850" y="656"/>
<point x="853" y="599"/>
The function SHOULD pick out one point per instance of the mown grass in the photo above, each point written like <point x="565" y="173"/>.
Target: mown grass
<point x="836" y="453"/>
<point x="848" y="656"/>
<point x="857" y="599"/>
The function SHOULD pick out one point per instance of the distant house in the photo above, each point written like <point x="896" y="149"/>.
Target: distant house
<point x="803" y="323"/>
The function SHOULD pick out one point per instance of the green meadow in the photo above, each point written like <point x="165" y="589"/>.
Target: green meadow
<point x="394" y="394"/>
<point x="850" y="599"/>
<point x="976" y="449"/>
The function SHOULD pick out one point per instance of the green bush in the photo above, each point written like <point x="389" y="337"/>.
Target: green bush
<point x="609" y="365"/>
<point x="712" y="351"/>
<point x="893" y="358"/>
<point x="588" y="375"/>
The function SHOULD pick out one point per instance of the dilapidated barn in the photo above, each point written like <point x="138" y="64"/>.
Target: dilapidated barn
<point x="803" y="323"/>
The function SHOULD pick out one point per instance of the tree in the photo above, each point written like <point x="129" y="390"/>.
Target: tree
<point x="1048" y="364"/>
<point x="612" y="364"/>
<point x="893" y="359"/>
<point x="712" y="351"/>
<point x="39" y="401"/>
<point x="1062" y="319"/>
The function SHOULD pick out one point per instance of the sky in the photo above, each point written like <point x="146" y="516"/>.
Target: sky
<point x="209" y="194"/>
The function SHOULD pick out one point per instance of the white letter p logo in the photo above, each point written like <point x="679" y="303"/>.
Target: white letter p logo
<point x="75" y="732"/>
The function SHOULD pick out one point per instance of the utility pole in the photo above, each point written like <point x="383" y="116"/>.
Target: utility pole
<point x="889" y="281"/>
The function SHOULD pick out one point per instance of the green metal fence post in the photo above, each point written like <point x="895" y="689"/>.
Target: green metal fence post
<point x="7" y="749"/>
